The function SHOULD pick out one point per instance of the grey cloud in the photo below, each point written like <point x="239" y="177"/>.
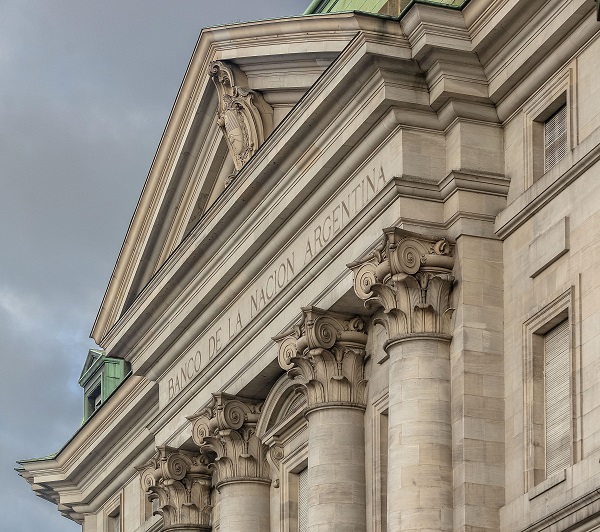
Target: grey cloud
<point x="85" y="93"/>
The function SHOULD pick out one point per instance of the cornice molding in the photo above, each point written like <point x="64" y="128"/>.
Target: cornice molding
<point x="72" y="477"/>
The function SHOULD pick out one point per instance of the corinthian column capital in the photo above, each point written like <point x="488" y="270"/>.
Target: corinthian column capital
<point x="226" y="435"/>
<point x="325" y="353"/>
<point x="181" y="483"/>
<point x="410" y="277"/>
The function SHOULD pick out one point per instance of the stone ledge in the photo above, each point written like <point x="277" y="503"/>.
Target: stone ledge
<point x="547" y="484"/>
<point x="549" y="186"/>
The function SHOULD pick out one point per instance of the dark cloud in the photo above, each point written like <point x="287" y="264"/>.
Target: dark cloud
<point x="86" y="90"/>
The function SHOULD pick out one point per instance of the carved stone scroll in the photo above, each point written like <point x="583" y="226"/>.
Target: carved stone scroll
<point x="325" y="353"/>
<point x="410" y="277"/>
<point x="181" y="482"/>
<point x="226" y="435"/>
<point x="244" y="117"/>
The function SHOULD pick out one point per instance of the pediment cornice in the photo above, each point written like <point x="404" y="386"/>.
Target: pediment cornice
<point x="272" y="162"/>
<point x="84" y="473"/>
<point x="308" y="41"/>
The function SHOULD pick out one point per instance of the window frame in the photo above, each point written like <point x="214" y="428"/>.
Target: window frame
<point x="113" y="509"/>
<point x="544" y="319"/>
<point x="556" y="93"/>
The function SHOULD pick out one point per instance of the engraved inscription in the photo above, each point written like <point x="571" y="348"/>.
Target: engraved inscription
<point x="276" y="278"/>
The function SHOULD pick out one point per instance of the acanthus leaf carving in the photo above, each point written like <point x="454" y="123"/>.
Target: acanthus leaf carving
<point x="325" y="354"/>
<point x="225" y="432"/>
<point x="243" y="115"/>
<point x="180" y="482"/>
<point x="409" y="276"/>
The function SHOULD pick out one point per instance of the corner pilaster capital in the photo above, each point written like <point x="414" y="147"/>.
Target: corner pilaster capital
<point x="410" y="277"/>
<point x="181" y="482"/>
<point x="243" y="115"/>
<point x="325" y="353"/>
<point x="225" y="432"/>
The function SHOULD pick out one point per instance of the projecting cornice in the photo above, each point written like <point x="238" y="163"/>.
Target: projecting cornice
<point x="521" y="43"/>
<point x="76" y="478"/>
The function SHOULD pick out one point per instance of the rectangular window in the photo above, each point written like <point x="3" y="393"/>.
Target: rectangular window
<point x="557" y="391"/>
<point x="303" y="500"/>
<point x="555" y="138"/>
<point x="114" y="521"/>
<point x="383" y="463"/>
<point x="550" y="366"/>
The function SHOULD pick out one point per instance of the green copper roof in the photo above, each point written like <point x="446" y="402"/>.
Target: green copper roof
<point x="381" y="7"/>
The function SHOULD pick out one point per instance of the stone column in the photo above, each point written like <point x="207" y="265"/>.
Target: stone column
<point x="181" y="483"/>
<point x="409" y="278"/>
<point x="325" y="353"/>
<point x="226" y="435"/>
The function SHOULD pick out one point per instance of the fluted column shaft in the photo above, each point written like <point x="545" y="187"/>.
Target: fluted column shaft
<point x="325" y="354"/>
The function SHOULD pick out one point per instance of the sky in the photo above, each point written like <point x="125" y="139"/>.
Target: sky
<point x="86" y="87"/>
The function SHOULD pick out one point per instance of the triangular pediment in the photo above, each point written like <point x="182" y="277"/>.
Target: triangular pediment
<point x="238" y="87"/>
<point x="93" y="356"/>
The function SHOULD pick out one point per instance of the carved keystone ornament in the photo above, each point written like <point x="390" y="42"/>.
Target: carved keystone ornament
<point x="226" y="435"/>
<point x="410" y="277"/>
<point x="325" y="353"/>
<point x="181" y="483"/>
<point x="244" y="117"/>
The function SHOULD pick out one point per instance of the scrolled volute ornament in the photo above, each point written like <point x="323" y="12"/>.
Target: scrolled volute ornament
<point x="180" y="482"/>
<point x="328" y="361"/>
<point x="409" y="276"/>
<point x="226" y="436"/>
<point x="287" y="351"/>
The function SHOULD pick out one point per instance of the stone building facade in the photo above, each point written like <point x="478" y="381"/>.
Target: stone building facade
<point x="358" y="291"/>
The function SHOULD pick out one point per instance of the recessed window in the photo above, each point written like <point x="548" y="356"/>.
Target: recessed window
<point x="114" y="521"/>
<point x="555" y="138"/>
<point x="94" y="401"/>
<point x="303" y="500"/>
<point x="557" y="391"/>
<point x="549" y="367"/>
